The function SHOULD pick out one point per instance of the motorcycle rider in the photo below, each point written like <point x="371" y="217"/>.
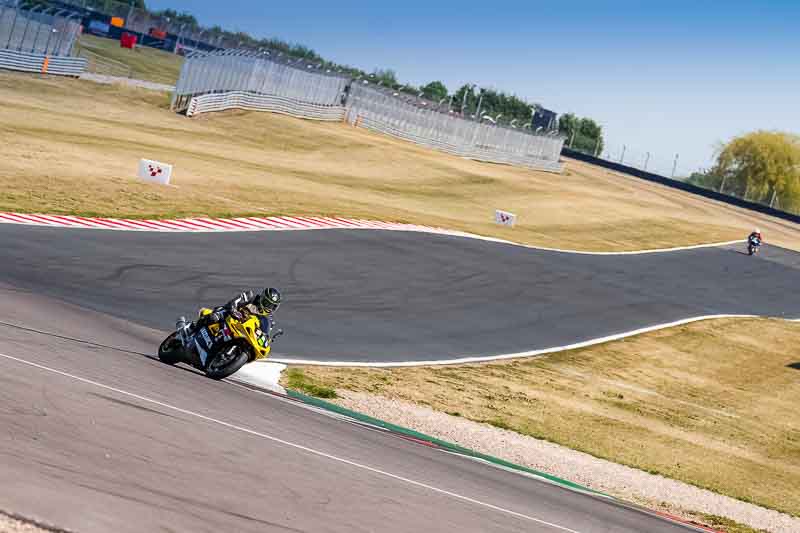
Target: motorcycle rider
<point x="264" y="303"/>
<point x="755" y="235"/>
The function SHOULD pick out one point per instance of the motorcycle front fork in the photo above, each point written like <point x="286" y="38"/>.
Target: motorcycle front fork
<point x="182" y="327"/>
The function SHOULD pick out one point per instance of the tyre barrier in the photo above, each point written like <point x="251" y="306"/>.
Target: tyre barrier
<point x="207" y="103"/>
<point x="43" y="64"/>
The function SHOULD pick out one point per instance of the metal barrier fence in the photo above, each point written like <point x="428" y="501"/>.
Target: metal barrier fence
<point x="46" y="31"/>
<point x="40" y="63"/>
<point x="262" y="102"/>
<point x="222" y="80"/>
<point x="385" y="112"/>
<point x="142" y="21"/>
<point x="238" y="71"/>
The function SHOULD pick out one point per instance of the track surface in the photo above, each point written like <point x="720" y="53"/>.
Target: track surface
<point x="97" y="439"/>
<point x="393" y="296"/>
<point x="97" y="436"/>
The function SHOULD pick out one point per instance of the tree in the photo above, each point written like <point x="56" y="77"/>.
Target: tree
<point x="583" y="134"/>
<point x="435" y="90"/>
<point x="762" y="166"/>
<point x="387" y="77"/>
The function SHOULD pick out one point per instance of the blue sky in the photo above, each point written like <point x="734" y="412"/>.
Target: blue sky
<point x="660" y="76"/>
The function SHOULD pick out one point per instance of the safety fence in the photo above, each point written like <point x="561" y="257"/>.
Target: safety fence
<point x="382" y="111"/>
<point x="228" y="71"/>
<point x="40" y="63"/>
<point x="263" y="102"/>
<point x="476" y="153"/>
<point x="256" y="81"/>
<point x="38" y="30"/>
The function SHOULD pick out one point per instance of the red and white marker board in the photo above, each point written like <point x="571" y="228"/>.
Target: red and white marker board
<point x="505" y="218"/>
<point x="155" y="171"/>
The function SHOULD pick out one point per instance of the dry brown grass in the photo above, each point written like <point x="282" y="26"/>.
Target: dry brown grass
<point x="710" y="403"/>
<point x="72" y="147"/>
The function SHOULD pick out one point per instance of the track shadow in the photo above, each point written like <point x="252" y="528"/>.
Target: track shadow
<point x="796" y="365"/>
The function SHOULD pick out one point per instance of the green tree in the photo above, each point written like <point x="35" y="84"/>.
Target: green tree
<point x="762" y="166"/>
<point x="583" y="134"/>
<point x="435" y="90"/>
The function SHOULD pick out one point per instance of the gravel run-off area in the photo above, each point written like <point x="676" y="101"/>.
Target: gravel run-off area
<point x="9" y="524"/>
<point x="653" y="491"/>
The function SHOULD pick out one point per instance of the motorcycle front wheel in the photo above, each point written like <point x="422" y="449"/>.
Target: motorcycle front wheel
<point x="171" y="350"/>
<point x="227" y="361"/>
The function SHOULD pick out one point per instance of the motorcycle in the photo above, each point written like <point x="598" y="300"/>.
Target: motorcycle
<point x="753" y="245"/>
<point x="220" y="348"/>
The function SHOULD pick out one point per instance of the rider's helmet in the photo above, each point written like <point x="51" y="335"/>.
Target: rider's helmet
<point x="757" y="231"/>
<point x="269" y="300"/>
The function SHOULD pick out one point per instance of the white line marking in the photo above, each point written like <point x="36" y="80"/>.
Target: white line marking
<point x="518" y="355"/>
<point x="293" y="445"/>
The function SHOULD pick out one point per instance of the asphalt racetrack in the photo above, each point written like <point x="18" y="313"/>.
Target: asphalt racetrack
<point x="98" y="436"/>
<point x="386" y="296"/>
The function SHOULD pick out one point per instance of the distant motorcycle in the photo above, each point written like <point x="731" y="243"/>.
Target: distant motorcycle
<point x="220" y="349"/>
<point x="753" y="244"/>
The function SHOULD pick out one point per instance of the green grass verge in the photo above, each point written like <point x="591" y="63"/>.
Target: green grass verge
<point x="725" y="524"/>
<point x="146" y="63"/>
<point x="297" y="380"/>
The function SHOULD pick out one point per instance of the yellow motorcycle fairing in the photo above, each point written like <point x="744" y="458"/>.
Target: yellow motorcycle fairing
<point x="250" y="330"/>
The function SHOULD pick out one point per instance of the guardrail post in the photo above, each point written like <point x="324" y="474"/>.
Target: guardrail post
<point x="675" y="166"/>
<point x="13" y="27"/>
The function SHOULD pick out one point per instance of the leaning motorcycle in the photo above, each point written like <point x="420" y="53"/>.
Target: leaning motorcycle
<point x="220" y="348"/>
<point x="752" y="245"/>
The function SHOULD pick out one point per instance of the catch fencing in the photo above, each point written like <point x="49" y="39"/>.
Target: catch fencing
<point x="236" y="71"/>
<point x="384" y="112"/>
<point x="38" y="30"/>
<point x="263" y="102"/>
<point x="256" y="81"/>
<point x="39" y="63"/>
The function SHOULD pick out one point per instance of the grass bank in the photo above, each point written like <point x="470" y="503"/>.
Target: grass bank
<point x="72" y="147"/>
<point x="150" y="64"/>
<point x="708" y="403"/>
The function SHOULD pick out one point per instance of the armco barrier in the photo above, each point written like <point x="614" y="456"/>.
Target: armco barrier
<point x="25" y="62"/>
<point x="678" y="184"/>
<point x="262" y="102"/>
<point x="466" y="151"/>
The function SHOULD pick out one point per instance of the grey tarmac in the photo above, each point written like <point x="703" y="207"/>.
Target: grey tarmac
<point x="98" y="436"/>
<point x="386" y="296"/>
<point x="99" y="439"/>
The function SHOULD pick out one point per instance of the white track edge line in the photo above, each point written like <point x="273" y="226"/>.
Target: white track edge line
<point x="518" y="355"/>
<point x="292" y="444"/>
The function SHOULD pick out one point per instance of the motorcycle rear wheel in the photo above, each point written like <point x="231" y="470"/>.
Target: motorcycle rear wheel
<point x="171" y="350"/>
<point x="226" y="363"/>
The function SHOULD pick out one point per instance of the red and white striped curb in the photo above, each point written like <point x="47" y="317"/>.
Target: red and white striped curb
<point x="203" y="224"/>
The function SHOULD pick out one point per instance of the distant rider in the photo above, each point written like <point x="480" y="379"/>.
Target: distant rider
<point x="755" y="235"/>
<point x="265" y="303"/>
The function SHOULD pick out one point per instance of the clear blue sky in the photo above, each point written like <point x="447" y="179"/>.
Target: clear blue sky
<point x="660" y="76"/>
